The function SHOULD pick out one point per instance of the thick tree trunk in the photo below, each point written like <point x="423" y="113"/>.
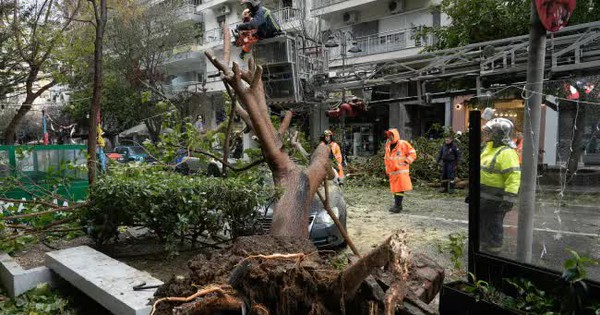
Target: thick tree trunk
<point x="100" y="14"/>
<point x="290" y="216"/>
<point x="10" y="132"/>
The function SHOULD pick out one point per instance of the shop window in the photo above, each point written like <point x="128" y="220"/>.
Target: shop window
<point x="566" y="204"/>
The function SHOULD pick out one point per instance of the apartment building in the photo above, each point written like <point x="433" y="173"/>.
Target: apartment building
<point x="364" y="37"/>
<point x="289" y="61"/>
<point x="301" y="71"/>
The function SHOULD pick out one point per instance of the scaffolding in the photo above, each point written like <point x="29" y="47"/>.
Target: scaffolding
<point x="573" y="49"/>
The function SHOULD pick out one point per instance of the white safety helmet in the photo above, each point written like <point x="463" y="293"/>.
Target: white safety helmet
<point x="501" y="131"/>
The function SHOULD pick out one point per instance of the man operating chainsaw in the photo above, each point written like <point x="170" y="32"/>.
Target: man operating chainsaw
<point x="260" y="24"/>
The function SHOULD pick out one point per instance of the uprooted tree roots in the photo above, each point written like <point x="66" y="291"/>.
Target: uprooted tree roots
<point x="279" y="275"/>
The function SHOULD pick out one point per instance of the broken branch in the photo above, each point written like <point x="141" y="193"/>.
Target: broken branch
<point x="339" y="225"/>
<point x="285" y="124"/>
<point x="36" y="214"/>
<point x="385" y="253"/>
<point x="245" y="167"/>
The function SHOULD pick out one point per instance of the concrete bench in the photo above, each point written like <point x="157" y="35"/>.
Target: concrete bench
<point x="17" y="280"/>
<point x="106" y="280"/>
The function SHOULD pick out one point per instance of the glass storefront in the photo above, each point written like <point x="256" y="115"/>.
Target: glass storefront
<point x="567" y="191"/>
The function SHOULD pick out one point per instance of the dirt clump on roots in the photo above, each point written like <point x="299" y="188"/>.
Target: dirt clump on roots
<point x="291" y="283"/>
<point x="283" y="275"/>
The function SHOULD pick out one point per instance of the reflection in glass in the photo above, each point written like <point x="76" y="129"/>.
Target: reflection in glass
<point x="567" y="213"/>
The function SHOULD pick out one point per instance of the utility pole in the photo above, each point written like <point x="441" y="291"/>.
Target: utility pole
<point x="531" y="135"/>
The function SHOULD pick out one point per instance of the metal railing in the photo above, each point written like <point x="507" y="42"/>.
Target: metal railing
<point x="182" y="52"/>
<point x="287" y="14"/>
<point x="215" y="35"/>
<point x="317" y="4"/>
<point x="192" y="86"/>
<point x="381" y="43"/>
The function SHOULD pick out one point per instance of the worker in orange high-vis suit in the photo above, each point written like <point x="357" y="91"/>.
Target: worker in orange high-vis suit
<point x="335" y="153"/>
<point x="399" y="154"/>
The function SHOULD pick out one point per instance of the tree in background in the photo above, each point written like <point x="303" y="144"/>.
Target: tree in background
<point x="141" y="39"/>
<point x="474" y="21"/>
<point x="11" y="70"/>
<point x="36" y="32"/>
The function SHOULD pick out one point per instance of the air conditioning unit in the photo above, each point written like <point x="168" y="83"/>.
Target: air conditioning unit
<point x="396" y="6"/>
<point x="350" y="17"/>
<point x="223" y="10"/>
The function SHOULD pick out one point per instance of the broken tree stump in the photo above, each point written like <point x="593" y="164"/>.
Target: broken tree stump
<point x="278" y="275"/>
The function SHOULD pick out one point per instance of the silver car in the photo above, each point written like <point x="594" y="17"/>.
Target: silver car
<point x="322" y="230"/>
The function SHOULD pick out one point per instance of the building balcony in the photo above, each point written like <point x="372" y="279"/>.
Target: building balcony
<point x="211" y="4"/>
<point x="185" y="58"/>
<point x="287" y="15"/>
<point x="214" y="36"/>
<point x="380" y="43"/>
<point x="190" y="86"/>
<point x="323" y="7"/>
<point x="188" y="12"/>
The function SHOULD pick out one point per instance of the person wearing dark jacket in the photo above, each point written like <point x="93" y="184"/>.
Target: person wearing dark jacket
<point x="262" y="21"/>
<point x="449" y="156"/>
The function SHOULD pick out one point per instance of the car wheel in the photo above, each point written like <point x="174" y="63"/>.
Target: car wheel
<point x="213" y="170"/>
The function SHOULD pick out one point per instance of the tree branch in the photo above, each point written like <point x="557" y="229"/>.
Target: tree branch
<point x="393" y="250"/>
<point x="244" y="115"/>
<point x="35" y="202"/>
<point x="336" y="220"/>
<point x="285" y="124"/>
<point x="318" y="163"/>
<point x="44" y="88"/>
<point x="241" y="169"/>
<point x="226" y="44"/>
<point x="37" y="214"/>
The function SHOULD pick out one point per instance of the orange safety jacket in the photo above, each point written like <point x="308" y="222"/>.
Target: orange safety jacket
<point x="397" y="161"/>
<point x="337" y="156"/>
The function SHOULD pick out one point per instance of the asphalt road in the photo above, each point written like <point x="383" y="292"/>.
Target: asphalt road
<point x="561" y="223"/>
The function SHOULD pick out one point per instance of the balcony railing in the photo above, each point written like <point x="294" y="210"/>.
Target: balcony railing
<point x="381" y="43"/>
<point x="215" y="35"/>
<point x="192" y="86"/>
<point x="317" y="4"/>
<point x="184" y="52"/>
<point x="287" y="14"/>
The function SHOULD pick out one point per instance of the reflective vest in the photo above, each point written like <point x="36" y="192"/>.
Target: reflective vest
<point x="336" y="154"/>
<point x="500" y="172"/>
<point x="397" y="159"/>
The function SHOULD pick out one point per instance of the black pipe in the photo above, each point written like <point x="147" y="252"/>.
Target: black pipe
<point x="474" y="178"/>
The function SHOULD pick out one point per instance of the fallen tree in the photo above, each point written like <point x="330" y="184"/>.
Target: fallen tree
<point x="283" y="273"/>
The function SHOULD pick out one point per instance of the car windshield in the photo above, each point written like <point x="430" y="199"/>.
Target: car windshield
<point x="137" y="150"/>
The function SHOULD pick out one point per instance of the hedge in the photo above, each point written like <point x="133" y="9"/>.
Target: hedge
<point x="177" y="208"/>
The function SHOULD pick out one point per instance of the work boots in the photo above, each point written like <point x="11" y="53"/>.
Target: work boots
<point x="444" y="186"/>
<point x="451" y="187"/>
<point x="397" y="207"/>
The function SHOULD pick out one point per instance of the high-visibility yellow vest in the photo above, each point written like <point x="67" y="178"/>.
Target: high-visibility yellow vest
<point x="500" y="168"/>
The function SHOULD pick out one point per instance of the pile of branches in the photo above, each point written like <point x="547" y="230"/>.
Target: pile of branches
<point x="27" y="221"/>
<point x="370" y="171"/>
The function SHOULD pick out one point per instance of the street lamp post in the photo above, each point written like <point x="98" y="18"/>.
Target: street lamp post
<point x="332" y="43"/>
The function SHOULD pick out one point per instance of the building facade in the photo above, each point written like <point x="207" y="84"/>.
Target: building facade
<point x="302" y="73"/>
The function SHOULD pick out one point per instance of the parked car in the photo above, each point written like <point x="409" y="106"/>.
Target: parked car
<point x="195" y="165"/>
<point x="322" y="230"/>
<point x="131" y="153"/>
<point x="116" y="157"/>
